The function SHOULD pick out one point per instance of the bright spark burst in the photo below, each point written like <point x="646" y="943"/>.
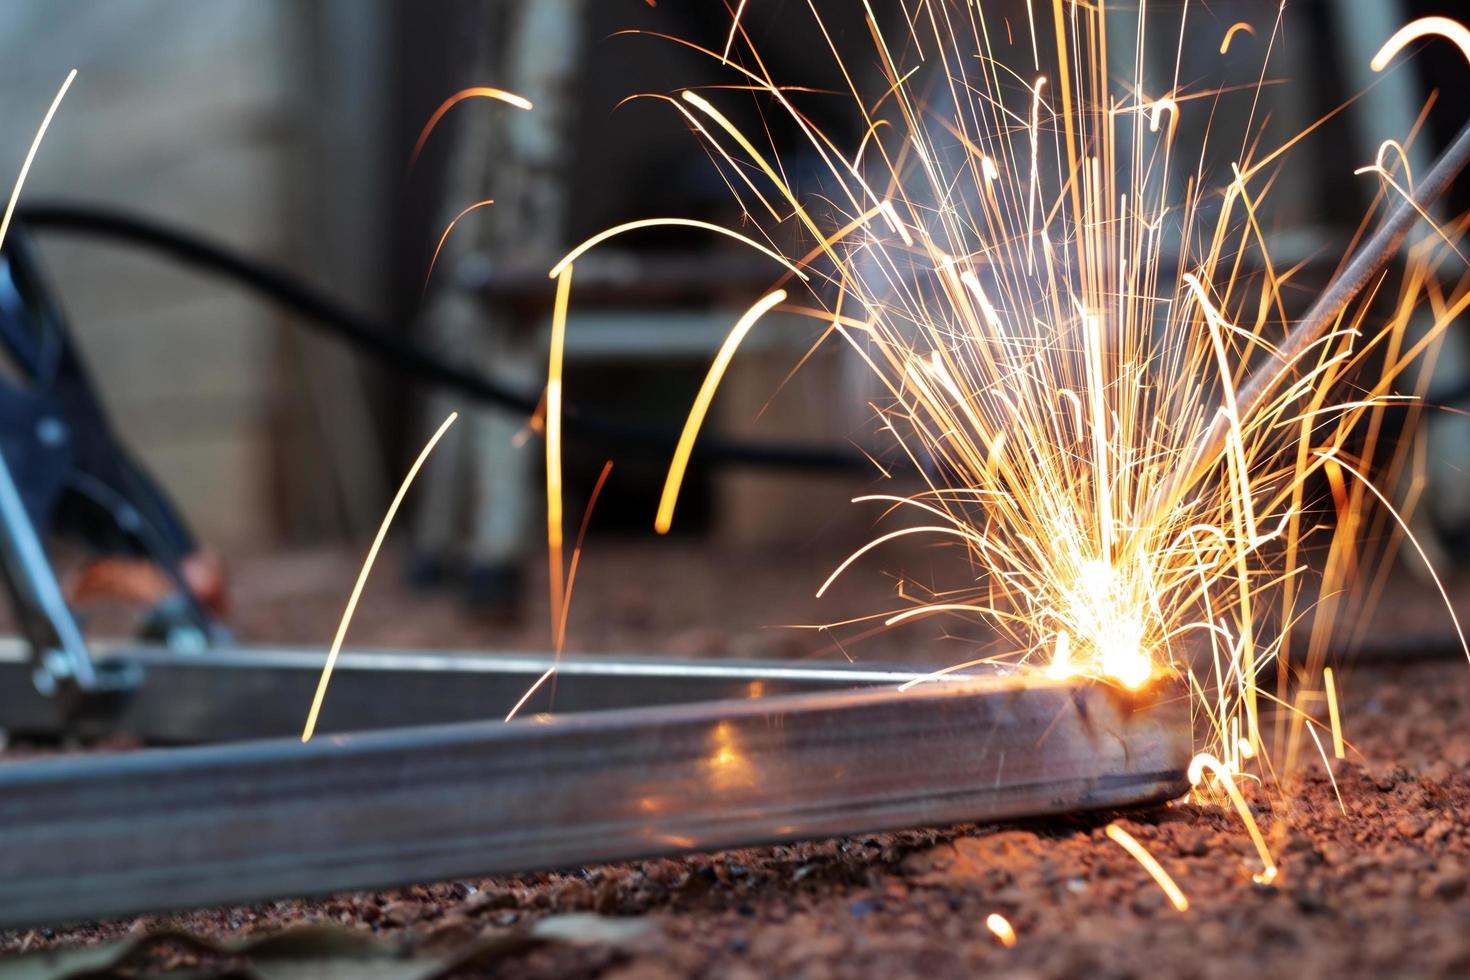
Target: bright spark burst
<point x="1083" y="348"/>
<point x="1062" y="315"/>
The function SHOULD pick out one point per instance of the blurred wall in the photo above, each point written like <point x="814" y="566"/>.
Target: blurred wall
<point x="224" y="117"/>
<point x="179" y="111"/>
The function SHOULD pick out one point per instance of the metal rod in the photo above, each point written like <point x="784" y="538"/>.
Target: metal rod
<point x="262" y="692"/>
<point x="58" y="651"/>
<point x="90" y="837"/>
<point x="1366" y="263"/>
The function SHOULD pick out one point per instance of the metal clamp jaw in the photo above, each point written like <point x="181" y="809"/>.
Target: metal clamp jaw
<point x="58" y="651"/>
<point x="63" y="470"/>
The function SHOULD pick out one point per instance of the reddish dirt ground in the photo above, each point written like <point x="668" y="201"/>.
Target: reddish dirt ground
<point x="1376" y="887"/>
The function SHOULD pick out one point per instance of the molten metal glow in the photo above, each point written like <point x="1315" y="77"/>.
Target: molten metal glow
<point x="1140" y="854"/>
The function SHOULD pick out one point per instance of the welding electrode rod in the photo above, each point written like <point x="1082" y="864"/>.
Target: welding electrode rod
<point x="1367" y="263"/>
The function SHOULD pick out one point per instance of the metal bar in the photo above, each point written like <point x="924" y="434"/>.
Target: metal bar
<point x="89" y="837"/>
<point x="256" y="692"/>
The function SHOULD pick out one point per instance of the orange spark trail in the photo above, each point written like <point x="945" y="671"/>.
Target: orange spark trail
<point x="665" y="517"/>
<point x="1197" y="767"/>
<point x="473" y="92"/>
<point x="607" y="233"/>
<point x="557" y="352"/>
<point x="1331" y="688"/>
<point x="566" y="606"/>
<point x="445" y="237"/>
<point x="734" y="29"/>
<point x="559" y="639"/>
<point x="1150" y="864"/>
<point x="1449" y="29"/>
<point x="1234" y="29"/>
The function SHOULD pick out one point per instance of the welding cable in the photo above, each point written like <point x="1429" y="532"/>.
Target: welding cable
<point x="403" y="355"/>
<point x="374" y="340"/>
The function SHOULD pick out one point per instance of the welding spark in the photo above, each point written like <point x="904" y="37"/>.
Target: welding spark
<point x="439" y="246"/>
<point x="25" y="167"/>
<point x="1330" y="686"/>
<point x="1085" y="351"/>
<point x="474" y="92"/>
<point x="1083" y="346"/>
<point x="1205" y="762"/>
<point x="1423" y="27"/>
<point x="1150" y="864"/>
<point x="665" y="518"/>
<point x="1001" y="927"/>
<point x="362" y="576"/>
<point x="1234" y="29"/>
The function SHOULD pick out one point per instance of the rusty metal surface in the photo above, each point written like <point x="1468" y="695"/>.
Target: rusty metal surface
<point x="93" y="837"/>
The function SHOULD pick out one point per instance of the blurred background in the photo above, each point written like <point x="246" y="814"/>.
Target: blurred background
<point x="285" y="128"/>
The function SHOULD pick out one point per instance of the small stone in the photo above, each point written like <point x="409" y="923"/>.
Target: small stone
<point x="1193" y="842"/>
<point x="1438" y="831"/>
<point x="1310" y="900"/>
<point x="817" y="948"/>
<point x="607" y="897"/>
<point x="1448" y="885"/>
<point x="1438" y="771"/>
<point x="485" y="901"/>
<point x="572" y="895"/>
<point x="1147" y="901"/>
<point x="1410" y="826"/>
<point x="452" y="930"/>
<point x="401" y="912"/>
<point x="1456" y="751"/>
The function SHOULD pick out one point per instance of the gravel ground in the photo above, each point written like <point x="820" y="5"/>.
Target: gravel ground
<point x="1375" y="887"/>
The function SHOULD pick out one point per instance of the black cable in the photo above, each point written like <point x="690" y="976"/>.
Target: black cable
<point x="103" y="221"/>
<point x="403" y="355"/>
